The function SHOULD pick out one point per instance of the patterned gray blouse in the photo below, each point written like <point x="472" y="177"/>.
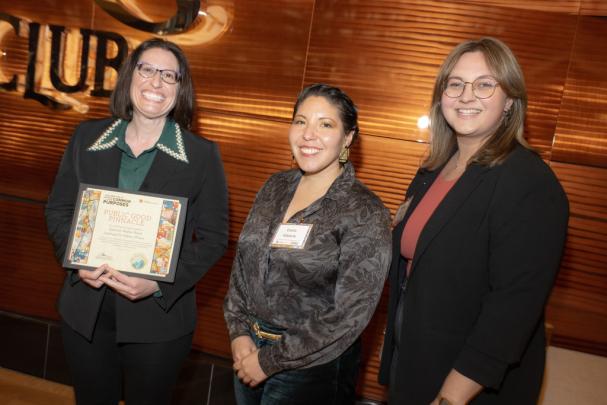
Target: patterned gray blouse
<point x="323" y="295"/>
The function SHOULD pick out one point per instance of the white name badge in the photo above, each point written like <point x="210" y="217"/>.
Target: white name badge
<point x="291" y="236"/>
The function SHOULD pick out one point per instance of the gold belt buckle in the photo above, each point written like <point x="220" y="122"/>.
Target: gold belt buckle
<point x="263" y="334"/>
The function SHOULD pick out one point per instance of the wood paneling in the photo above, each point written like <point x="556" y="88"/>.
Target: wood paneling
<point x="581" y="133"/>
<point x="72" y="13"/>
<point x="211" y="333"/>
<point x="578" y="305"/>
<point x="594" y="7"/>
<point x="385" y="54"/>
<point x="387" y="166"/>
<point x="31" y="276"/>
<point x="554" y="6"/>
<point x="252" y="149"/>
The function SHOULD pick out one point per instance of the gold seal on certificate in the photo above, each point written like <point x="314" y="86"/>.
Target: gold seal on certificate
<point x="133" y="232"/>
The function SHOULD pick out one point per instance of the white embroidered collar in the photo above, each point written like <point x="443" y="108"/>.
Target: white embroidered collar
<point x="109" y="139"/>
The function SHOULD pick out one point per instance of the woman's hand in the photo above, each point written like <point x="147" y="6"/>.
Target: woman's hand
<point x="458" y="389"/>
<point x="132" y="288"/>
<point x="249" y="370"/>
<point x="242" y="346"/>
<point x="93" y="277"/>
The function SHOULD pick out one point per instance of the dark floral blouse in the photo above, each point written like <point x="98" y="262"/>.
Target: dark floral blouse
<point x="324" y="295"/>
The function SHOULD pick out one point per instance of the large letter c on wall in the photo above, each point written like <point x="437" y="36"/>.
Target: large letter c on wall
<point x="187" y="12"/>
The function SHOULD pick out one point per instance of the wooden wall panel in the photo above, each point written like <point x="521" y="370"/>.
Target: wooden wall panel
<point x="79" y="13"/>
<point x="372" y="339"/>
<point x="252" y="149"/>
<point x="31" y="276"/>
<point x="386" y="54"/>
<point x="387" y="166"/>
<point x="554" y="6"/>
<point x="211" y="334"/>
<point x="31" y="146"/>
<point x="581" y="133"/>
<point x="596" y="8"/>
<point x="586" y="188"/>
<point x="578" y="305"/>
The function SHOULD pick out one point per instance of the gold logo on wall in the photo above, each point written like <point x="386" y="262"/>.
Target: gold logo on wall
<point x="66" y="66"/>
<point x="189" y="26"/>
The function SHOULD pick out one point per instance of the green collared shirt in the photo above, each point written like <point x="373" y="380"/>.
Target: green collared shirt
<point x="134" y="169"/>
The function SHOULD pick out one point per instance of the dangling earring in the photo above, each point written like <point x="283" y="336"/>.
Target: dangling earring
<point x="344" y="155"/>
<point x="507" y="114"/>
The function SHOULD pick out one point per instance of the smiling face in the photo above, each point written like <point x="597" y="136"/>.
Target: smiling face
<point x="317" y="136"/>
<point x="474" y="119"/>
<point x="152" y="98"/>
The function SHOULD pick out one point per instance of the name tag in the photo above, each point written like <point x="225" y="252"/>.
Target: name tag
<point x="291" y="236"/>
<point x="401" y="211"/>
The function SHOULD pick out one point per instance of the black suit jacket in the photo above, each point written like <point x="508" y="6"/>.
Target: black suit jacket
<point x="201" y="180"/>
<point x="482" y="270"/>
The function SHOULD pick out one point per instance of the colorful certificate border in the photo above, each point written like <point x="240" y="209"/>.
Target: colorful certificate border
<point x="169" y="232"/>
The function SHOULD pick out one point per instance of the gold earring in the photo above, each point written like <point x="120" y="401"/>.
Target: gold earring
<point x="344" y="155"/>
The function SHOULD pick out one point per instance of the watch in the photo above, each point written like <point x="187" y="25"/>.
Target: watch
<point x="444" y="401"/>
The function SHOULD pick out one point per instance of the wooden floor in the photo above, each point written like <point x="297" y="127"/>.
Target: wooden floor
<point x="571" y="378"/>
<point x="23" y="389"/>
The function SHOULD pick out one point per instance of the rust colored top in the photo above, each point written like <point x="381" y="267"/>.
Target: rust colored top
<point x="418" y="219"/>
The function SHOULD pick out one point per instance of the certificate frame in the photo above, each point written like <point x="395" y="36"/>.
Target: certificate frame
<point x="137" y="233"/>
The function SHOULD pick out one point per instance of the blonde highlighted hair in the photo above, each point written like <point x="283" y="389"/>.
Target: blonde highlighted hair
<point x="506" y="70"/>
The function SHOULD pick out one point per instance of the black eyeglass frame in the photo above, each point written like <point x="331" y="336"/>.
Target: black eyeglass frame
<point x="474" y="88"/>
<point x="140" y="65"/>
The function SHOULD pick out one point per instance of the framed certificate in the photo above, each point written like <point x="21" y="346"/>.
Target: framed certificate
<point x="133" y="232"/>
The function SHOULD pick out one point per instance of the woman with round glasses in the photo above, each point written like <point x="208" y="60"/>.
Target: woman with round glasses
<point x="477" y="247"/>
<point x="126" y="337"/>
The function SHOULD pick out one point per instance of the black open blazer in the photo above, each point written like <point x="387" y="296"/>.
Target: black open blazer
<point x="201" y="180"/>
<point x="482" y="271"/>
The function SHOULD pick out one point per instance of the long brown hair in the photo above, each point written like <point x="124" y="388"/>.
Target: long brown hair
<point x="505" y="68"/>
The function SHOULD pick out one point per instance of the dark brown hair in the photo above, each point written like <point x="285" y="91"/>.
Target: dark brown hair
<point x="120" y="102"/>
<point x="336" y="97"/>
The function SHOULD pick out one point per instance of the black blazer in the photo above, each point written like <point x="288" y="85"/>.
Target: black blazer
<point x="201" y="180"/>
<point x="482" y="271"/>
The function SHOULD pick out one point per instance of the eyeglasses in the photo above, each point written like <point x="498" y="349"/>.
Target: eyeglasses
<point x="148" y="71"/>
<point x="483" y="87"/>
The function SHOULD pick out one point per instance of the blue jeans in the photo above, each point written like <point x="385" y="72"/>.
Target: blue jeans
<point x="333" y="383"/>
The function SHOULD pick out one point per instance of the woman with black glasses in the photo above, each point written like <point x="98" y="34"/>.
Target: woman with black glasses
<point x="478" y="246"/>
<point x="125" y="336"/>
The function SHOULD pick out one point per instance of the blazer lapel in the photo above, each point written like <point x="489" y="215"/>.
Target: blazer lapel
<point x="161" y="172"/>
<point x="106" y="167"/>
<point x="447" y="208"/>
<point x="415" y="192"/>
